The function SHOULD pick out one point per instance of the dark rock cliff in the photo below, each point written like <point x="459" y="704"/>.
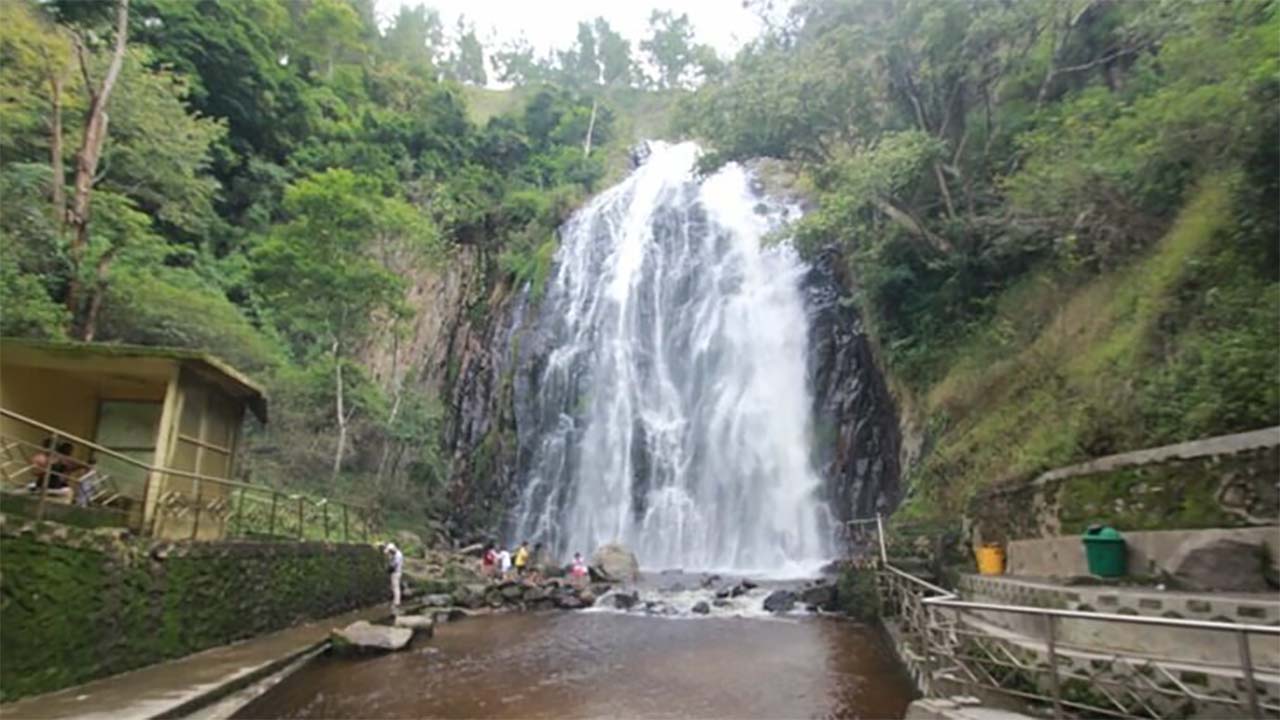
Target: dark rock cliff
<point x="858" y="443"/>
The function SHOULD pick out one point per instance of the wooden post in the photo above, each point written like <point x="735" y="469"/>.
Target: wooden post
<point x="300" y="534"/>
<point x="44" y="476"/>
<point x="240" y="513"/>
<point x="271" y="526"/>
<point x="195" y="526"/>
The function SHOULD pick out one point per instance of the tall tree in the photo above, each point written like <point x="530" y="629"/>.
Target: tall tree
<point x="93" y="137"/>
<point x="415" y="37"/>
<point x="467" y="62"/>
<point x="669" y="46"/>
<point x="614" y="52"/>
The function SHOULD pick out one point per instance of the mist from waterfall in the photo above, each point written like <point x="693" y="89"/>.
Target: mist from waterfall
<point x="671" y="412"/>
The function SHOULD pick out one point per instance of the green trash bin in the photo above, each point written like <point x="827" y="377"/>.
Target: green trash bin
<point x="1105" y="551"/>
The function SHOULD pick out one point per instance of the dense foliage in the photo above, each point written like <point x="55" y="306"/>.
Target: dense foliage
<point x="272" y="175"/>
<point x="1061" y="216"/>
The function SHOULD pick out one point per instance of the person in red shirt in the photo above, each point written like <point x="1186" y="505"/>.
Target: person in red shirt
<point x="488" y="560"/>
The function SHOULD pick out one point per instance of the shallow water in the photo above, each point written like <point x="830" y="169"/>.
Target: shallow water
<point x="553" y="665"/>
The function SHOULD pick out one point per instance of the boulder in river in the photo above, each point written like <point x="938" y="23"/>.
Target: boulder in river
<point x="512" y="591"/>
<point x="748" y="584"/>
<point x="617" y="562"/>
<point x="822" y="597"/>
<point x="701" y="608"/>
<point x="437" y="600"/>
<point x="568" y="602"/>
<point x="723" y="593"/>
<point x="721" y="602"/>
<point x="780" y="601"/>
<point x="423" y="625"/>
<point x="709" y="580"/>
<point x="363" y="636"/>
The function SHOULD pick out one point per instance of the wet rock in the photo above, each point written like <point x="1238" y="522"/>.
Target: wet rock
<point x="738" y="590"/>
<point x="672" y="571"/>
<point x="720" y="602"/>
<point x="512" y="591"/>
<point x="421" y="625"/>
<point x="723" y="593"/>
<point x="709" y="580"/>
<point x="616" y="562"/>
<point x="568" y="602"/>
<point x="437" y="600"/>
<point x="819" y="596"/>
<point x="534" y="594"/>
<point x="364" y="637"/>
<point x="780" y="601"/>
<point x="701" y="608"/>
<point x="675" y="588"/>
<point x="453" y="614"/>
<point x="748" y="584"/>
<point x="625" y="601"/>
<point x="1211" y="562"/>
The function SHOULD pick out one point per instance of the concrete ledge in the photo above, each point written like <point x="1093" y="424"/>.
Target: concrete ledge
<point x="1150" y="551"/>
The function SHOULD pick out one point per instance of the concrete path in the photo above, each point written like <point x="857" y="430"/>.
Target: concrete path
<point x="173" y="688"/>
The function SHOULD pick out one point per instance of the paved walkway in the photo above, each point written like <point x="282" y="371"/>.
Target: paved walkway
<point x="166" y="688"/>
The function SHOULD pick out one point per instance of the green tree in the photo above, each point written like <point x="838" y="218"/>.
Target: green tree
<point x="669" y="47"/>
<point x="466" y="65"/>
<point x="319" y="281"/>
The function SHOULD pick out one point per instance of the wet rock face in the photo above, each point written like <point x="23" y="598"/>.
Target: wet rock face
<point x="858" y="440"/>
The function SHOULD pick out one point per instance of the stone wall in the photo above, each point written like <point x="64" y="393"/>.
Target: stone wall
<point x="1222" y="482"/>
<point x="79" y="604"/>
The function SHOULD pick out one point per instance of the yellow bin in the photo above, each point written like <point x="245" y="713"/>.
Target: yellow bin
<point x="991" y="560"/>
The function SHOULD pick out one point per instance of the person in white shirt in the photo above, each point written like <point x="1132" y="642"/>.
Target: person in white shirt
<point x="395" y="565"/>
<point x="504" y="563"/>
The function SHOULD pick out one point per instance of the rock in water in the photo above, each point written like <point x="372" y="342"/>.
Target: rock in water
<point x="423" y="625"/>
<point x="625" y="601"/>
<point x="819" y="596"/>
<point x="747" y="584"/>
<point x="780" y="601"/>
<point x="617" y="561"/>
<point x="1211" y="562"/>
<point x="702" y="608"/>
<point x="438" y="600"/>
<point x="363" y="636"/>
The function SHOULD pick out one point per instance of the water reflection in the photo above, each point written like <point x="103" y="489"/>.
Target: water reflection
<point x="606" y="665"/>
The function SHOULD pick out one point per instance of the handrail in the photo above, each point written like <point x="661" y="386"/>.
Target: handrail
<point x="144" y="466"/>
<point x="305" y="504"/>
<point x="1111" y="617"/>
<point x="921" y="621"/>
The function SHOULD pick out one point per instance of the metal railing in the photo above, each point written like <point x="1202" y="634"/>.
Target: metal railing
<point x="1040" y="656"/>
<point x="189" y="505"/>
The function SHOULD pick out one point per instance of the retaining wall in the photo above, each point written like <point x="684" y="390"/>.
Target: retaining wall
<point x="1221" y="482"/>
<point x="79" y="604"/>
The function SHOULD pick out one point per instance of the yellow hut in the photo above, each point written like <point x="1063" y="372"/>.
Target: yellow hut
<point x="162" y="424"/>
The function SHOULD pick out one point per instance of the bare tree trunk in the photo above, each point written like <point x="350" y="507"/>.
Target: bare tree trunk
<point x="340" y="410"/>
<point x="99" y="292"/>
<point x="95" y="135"/>
<point x="591" y="128"/>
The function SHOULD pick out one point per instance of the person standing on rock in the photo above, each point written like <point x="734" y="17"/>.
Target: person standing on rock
<point x="579" y="570"/>
<point x="522" y="558"/>
<point x="395" y="566"/>
<point x="504" y="563"/>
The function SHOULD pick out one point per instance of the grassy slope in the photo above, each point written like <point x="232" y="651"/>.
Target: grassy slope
<point x="1131" y="358"/>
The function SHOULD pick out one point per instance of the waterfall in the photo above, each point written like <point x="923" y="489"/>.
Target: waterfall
<point x="669" y="408"/>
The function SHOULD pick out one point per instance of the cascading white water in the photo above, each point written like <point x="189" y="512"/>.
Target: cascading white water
<point x="672" y="414"/>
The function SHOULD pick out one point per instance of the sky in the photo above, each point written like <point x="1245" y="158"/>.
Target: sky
<point x="547" y="24"/>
